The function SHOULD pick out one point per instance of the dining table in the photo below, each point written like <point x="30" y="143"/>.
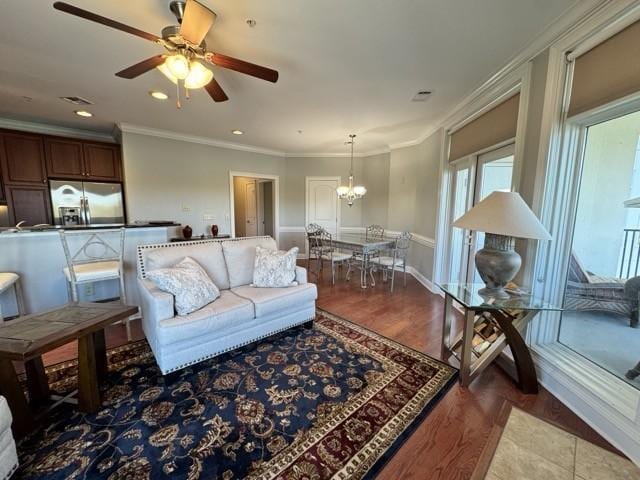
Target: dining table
<point x="365" y="246"/>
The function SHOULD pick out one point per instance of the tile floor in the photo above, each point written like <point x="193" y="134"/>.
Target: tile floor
<point x="532" y="449"/>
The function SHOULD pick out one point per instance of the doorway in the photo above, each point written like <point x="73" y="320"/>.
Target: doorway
<point x="254" y="205"/>
<point x="473" y="178"/>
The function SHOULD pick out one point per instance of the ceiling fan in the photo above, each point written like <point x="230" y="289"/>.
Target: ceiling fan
<point x="186" y="49"/>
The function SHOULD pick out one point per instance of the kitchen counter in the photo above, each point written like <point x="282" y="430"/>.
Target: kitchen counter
<point x="37" y="256"/>
<point x="47" y="228"/>
<point x="6" y="232"/>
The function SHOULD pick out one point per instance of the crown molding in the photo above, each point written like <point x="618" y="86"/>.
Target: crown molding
<point x="47" y="129"/>
<point x="183" y="137"/>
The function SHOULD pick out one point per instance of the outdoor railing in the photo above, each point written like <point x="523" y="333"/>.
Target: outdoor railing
<point x="630" y="260"/>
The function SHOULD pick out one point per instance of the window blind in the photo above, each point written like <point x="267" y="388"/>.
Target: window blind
<point x="607" y="72"/>
<point x="497" y="125"/>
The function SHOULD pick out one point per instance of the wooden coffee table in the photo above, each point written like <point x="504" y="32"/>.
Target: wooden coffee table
<point x="27" y="338"/>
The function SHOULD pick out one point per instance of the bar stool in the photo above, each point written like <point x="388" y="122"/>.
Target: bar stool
<point x="95" y="261"/>
<point x="8" y="280"/>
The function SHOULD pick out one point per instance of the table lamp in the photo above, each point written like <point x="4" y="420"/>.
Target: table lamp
<point x="503" y="216"/>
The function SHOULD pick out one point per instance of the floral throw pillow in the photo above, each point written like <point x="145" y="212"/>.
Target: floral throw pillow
<point x="189" y="284"/>
<point x="274" y="268"/>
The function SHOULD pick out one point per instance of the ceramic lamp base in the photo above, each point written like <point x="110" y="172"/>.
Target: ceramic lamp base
<point x="497" y="263"/>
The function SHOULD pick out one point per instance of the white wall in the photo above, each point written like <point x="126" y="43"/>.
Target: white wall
<point x="183" y="181"/>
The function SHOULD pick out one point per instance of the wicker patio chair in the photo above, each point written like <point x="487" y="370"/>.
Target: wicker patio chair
<point x="589" y="292"/>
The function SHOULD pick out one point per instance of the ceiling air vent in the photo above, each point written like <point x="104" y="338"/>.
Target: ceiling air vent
<point x="421" y="96"/>
<point x="77" y="100"/>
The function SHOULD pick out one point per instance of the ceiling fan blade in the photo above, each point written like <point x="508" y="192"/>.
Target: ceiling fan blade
<point x="215" y="90"/>
<point x="143" y="67"/>
<point x="241" y="66"/>
<point x="196" y="22"/>
<point x="79" y="12"/>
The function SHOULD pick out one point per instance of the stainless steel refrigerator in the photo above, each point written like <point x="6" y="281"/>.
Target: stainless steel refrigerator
<point x="86" y="203"/>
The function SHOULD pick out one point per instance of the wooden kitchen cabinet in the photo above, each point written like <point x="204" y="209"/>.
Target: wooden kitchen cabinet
<point x="22" y="159"/>
<point x="64" y="158"/>
<point x="28" y="203"/>
<point x="102" y="162"/>
<point x="70" y="159"/>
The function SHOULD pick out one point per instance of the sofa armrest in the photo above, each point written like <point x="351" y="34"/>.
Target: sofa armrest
<point x="156" y="304"/>
<point x="301" y="275"/>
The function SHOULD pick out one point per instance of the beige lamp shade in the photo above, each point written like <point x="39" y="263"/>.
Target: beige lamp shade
<point x="503" y="213"/>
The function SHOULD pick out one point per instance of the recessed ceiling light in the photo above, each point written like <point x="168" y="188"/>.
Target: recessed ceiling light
<point x="158" y="95"/>
<point x="237" y="132"/>
<point x="83" y="113"/>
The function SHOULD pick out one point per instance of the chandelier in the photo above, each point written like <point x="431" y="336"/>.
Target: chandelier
<point x="351" y="193"/>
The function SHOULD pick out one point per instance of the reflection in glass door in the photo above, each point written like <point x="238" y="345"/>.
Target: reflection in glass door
<point x="473" y="179"/>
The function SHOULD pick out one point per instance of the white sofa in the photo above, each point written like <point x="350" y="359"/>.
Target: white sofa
<point x="8" y="455"/>
<point x="240" y="316"/>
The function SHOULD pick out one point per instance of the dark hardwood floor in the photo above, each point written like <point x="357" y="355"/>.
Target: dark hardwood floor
<point x="449" y="442"/>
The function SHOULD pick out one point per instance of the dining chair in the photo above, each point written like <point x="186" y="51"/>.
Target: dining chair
<point x="374" y="232"/>
<point x="96" y="259"/>
<point x="398" y="259"/>
<point x="329" y="252"/>
<point x="315" y="249"/>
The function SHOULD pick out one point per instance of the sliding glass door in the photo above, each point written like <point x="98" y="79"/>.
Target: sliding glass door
<point x="473" y="179"/>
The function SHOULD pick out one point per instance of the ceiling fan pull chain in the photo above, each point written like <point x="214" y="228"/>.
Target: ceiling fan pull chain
<point x="178" y="94"/>
<point x="186" y="93"/>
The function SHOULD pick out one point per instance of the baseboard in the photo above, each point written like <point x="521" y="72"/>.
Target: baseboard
<point x="421" y="279"/>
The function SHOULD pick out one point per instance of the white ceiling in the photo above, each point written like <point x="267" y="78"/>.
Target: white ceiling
<point x="345" y="66"/>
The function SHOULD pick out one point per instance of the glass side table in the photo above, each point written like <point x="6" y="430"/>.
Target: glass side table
<point x="502" y="322"/>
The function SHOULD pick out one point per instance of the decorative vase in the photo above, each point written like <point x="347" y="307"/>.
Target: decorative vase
<point x="214" y="230"/>
<point x="497" y="263"/>
<point x="187" y="232"/>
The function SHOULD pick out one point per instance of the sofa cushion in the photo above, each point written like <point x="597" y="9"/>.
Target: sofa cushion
<point x="275" y="268"/>
<point x="271" y="300"/>
<point x="217" y="316"/>
<point x="188" y="283"/>
<point x="240" y="256"/>
<point x="208" y="254"/>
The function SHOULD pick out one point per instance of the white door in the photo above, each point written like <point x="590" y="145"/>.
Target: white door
<point x="322" y="203"/>
<point x="251" y="209"/>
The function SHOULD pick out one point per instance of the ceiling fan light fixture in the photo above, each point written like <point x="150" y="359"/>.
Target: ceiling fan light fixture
<point x="198" y="77"/>
<point x="178" y="65"/>
<point x="167" y="73"/>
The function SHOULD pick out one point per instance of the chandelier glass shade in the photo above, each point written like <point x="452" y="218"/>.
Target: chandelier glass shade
<point x="349" y="192"/>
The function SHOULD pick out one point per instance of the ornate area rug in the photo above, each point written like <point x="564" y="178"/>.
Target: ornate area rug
<point x="334" y="401"/>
